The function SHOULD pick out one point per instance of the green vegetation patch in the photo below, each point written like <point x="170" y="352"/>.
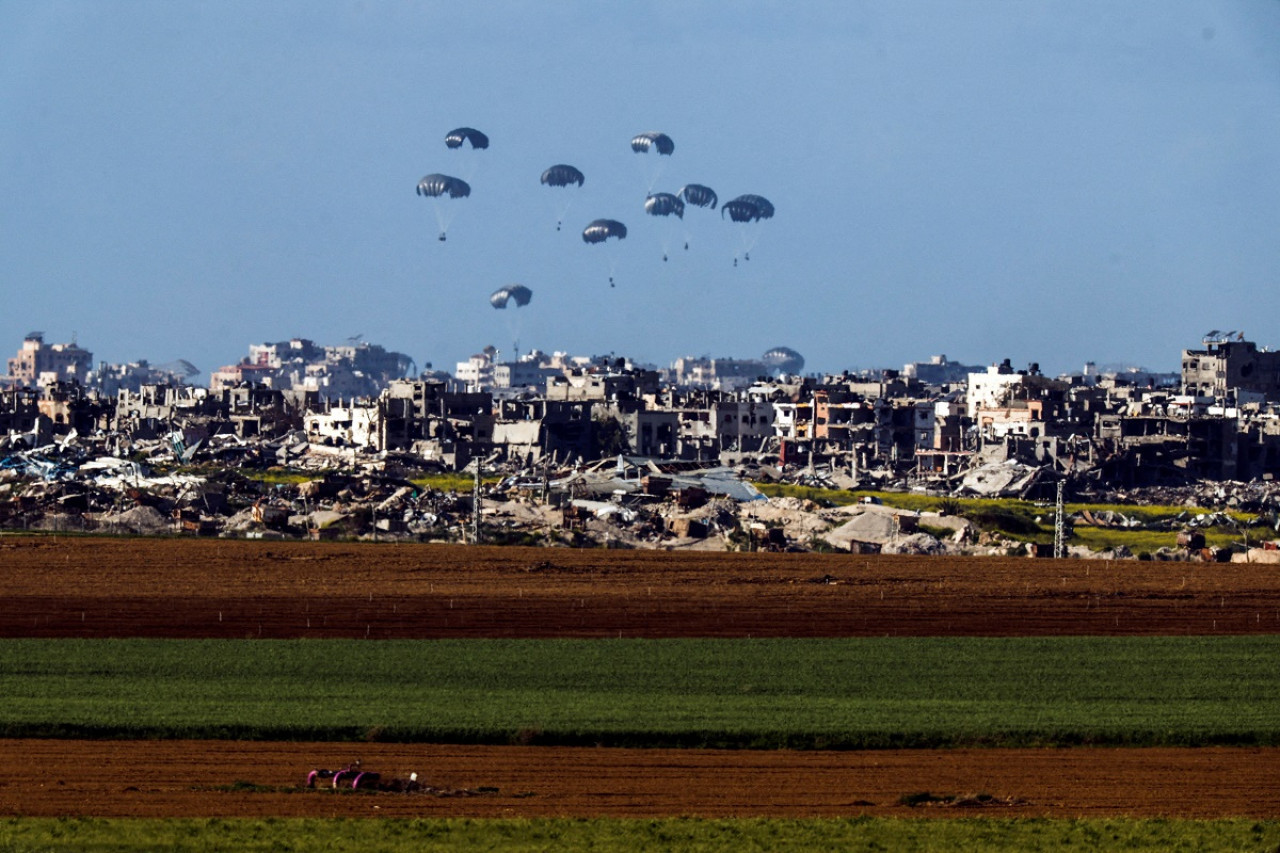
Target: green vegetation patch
<point x="27" y="835"/>
<point x="1027" y="521"/>
<point x="280" y="476"/>
<point x="449" y="482"/>
<point x="810" y="693"/>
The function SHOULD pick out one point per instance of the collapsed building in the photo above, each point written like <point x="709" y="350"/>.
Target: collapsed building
<point x="879" y="428"/>
<point x="358" y="369"/>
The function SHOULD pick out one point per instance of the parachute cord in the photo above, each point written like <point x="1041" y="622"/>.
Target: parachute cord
<point x="442" y="219"/>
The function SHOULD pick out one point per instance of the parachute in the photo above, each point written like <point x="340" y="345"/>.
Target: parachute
<point x="651" y="166"/>
<point x="562" y="175"/>
<point x="784" y="360"/>
<point x="740" y="211"/>
<point x="600" y="230"/>
<point x="435" y="185"/>
<point x="698" y="195"/>
<point x="762" y="204"/>
<point x="667" y="205"/>
<point x="439" y="187"/>
<point x="642" y="142"/>
<point x="455" y="138"/>
<point x="500" y="297"/>
<point x="747" y="208"/>
<point x="664" y="204"/>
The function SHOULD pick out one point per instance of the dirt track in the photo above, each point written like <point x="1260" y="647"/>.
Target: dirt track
<point x="190" y="588"/>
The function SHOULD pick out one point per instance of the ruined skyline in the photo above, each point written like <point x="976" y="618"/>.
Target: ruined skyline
<point x="1040" y="182"/>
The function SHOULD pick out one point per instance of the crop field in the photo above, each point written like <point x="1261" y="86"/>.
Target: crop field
<point x="626" y="836"/>
<point x="540" y="691"/>
<point x="864" y="693"/>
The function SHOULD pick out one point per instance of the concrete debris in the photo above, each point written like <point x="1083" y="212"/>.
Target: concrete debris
<point x="915" y="543"/>
<point x="1000" y="479"/>
<point x="288" y="484"/>
<point x="869" y="527"/>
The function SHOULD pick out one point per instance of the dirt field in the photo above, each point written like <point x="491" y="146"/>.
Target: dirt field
<point x="191" y="778"/>
<point x="192" y="588"/>
<point x="74" y="587"/>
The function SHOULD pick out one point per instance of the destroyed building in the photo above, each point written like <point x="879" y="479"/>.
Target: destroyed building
<point x="358" y="369"/>
<point x="38" y="364"/>
<point x="1004" y="431"/>
<point x="1229" y="365"/>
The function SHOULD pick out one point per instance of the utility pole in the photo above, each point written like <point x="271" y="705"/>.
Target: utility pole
<point x="475" y="505"/>
<point x="1059" y="527"/>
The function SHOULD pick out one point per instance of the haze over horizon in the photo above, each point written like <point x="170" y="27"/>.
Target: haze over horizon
<point x="1044" y="182"/>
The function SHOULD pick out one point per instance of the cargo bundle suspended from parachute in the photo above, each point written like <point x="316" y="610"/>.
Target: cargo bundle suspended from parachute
<point x="562" y="175"/>
<point x="666" y="205"/>
<point x="748" y="210"/>
<point x="437" y="187"/>
<point x="500" y="297"/>
<point x="654" y="146"/>
<point x="599" y="231"/>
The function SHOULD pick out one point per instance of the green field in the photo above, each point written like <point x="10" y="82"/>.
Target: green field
<point x="624" y="836"/>
<point x="827" y="693"/>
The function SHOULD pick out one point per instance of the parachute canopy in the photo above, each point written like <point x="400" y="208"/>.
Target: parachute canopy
<point x="562" y="175"/>
<point x="750" y="207"/>
<point x="602" y="229"/>
<point x="747" y="208"/>
<point x="456" y="137"/>
<point x="784" y="360"/>
<point x="443" y="185"/>
<point x="664" y="204"/>
<point x="699" y="195"/>
<point x="652" y="139"/>
<point x="518" y="292"/>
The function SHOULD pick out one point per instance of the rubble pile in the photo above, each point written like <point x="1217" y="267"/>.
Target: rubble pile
<point x="287" y="485"/>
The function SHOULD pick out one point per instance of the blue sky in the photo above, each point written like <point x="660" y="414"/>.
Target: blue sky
<point x="1039" y="181"/>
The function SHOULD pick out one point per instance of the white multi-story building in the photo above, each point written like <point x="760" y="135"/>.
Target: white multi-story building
<point x="991" y="389"/>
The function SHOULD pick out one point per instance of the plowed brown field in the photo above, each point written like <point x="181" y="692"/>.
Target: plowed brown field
<point x="193" y="778"/>
<point x="76" y="587"/>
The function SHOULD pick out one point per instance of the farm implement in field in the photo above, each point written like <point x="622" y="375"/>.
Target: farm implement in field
<point x="353" y="778"/>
